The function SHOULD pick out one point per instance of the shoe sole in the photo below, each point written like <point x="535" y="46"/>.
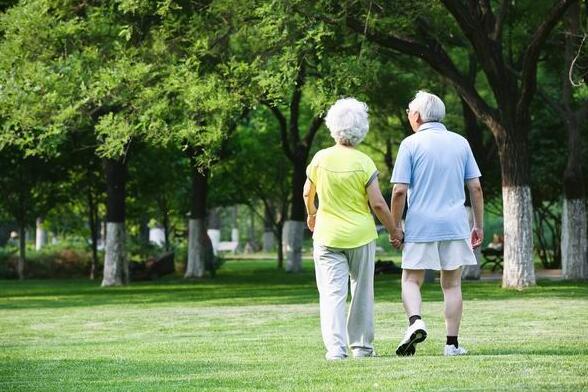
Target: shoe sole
<point x="408" y="349"/>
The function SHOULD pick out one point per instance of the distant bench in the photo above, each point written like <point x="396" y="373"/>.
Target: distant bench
<point x="227" y="246"/>
<point x="494" y="257"/>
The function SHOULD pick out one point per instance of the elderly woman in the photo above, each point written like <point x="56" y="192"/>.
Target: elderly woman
<point x="344" y="232"/>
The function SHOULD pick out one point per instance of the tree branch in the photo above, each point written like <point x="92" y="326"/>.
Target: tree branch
<point x="499" y="25"/>
<point x="283" y="123"/>
<point x="434" y="55"/>
<point x="315" y="125"/>
<point x="295" y="102"/>
<point x="531" y="56"/>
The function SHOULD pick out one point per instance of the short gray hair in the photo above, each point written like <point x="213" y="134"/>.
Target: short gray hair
<point x="347" y="120"/>
<point x="429" y="106"/>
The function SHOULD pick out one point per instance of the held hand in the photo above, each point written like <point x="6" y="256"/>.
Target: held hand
<point x="310" y="220"/>
<point x="477" y="237"/>
<point x="397" y="238"/>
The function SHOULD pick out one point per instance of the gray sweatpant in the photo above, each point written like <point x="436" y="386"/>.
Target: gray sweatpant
<point x="334" y="268"/>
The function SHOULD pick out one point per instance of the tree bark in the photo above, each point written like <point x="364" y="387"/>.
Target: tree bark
<point x="574" y="244"/>
<point x="116" y="270"/>
<point x="115" y="261"/>
<point x="93" y="223"/>
<point x="195" y="265"/>
<point x="268" y="235"/>
<point x="22" y="251"/>
<point x="296" y="224"/>
<point x="40" y="235"/>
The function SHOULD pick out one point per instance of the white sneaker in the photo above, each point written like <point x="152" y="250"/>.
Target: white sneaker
<point x="362" y="353"/>
<point x="416" y="333"/>
<point x="452" y="351"/>
<point x="335" y="357"/>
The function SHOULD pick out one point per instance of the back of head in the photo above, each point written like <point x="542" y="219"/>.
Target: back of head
<point x="347" y="121"/>
<point x="430" y="107"/>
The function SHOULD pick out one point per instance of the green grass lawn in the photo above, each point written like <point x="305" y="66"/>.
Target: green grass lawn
<point x="254" y="328"/>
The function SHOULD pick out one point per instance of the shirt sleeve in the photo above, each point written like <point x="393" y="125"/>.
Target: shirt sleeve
<point x="402" y="172"/>
<point x="311" y="169"/>
<point x="471" y="167"/>
<point x="371" y="172"/>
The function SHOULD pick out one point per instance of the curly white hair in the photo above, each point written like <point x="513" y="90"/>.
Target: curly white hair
<point x="348" y="122"/>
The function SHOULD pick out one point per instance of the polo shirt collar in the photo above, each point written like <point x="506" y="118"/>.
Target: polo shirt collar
<point x="432" y="125"/>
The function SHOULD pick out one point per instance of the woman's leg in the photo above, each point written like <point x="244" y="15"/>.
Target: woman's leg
<point x="360" y="321"/>
<point x="332" y="274"/>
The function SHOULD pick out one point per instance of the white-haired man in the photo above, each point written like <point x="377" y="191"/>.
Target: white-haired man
<point x="431" y="168"/>
<point x="345" y="181"/>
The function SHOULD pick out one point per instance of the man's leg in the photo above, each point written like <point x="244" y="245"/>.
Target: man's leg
<point x="332" y="274"/>
<point x="416" y="332"/>
<point x="360" y="322"/>
<point x="451" y="285"/>
<point x="412" y="280"/>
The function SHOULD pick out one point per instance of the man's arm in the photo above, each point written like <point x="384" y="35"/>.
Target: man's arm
<point x="477" y="200"/>
<point x="309" y="196"/>
<point x="399" y="192"/>
<point x="379" y="206"/>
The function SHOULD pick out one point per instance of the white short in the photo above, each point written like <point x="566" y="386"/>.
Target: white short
<point x="437" y="255"/>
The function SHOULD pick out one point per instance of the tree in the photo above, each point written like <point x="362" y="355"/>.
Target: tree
<point x="29" y="187"/>
<point x="511" y="74"/>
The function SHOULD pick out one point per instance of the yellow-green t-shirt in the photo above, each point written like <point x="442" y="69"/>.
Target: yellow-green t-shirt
<point x="341" y="175"/>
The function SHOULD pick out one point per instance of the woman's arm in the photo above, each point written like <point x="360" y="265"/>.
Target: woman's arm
<point x="379" y="205"/>
<point x="309" y="195"/>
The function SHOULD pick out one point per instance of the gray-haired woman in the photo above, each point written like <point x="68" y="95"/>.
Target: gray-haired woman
<point x="345" y="181"/>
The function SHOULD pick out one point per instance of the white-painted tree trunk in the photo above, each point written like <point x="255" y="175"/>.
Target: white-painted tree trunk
<point x="234" y="234"/>
<point x="268" y="241"/>
<point x="472" y="272"/>
<point x="293" y="243"/>
<point x="215" y="236"/>
<point x="574" y="244"/>
<point x="195" y="264"/>
<point x="519" y="271"/>
<point x="41" y="235"/>
<point x="116" y="269"/>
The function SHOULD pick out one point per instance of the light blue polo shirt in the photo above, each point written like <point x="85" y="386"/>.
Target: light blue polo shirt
<point x="435" y="163"/>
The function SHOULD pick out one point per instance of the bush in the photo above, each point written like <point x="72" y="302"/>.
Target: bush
<point x="63" y="260"/>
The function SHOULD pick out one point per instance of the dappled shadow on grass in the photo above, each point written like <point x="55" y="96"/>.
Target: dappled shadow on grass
<point x="242" y="283"/>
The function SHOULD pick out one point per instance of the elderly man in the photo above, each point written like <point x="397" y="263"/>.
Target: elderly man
<point x="431" y="168"/>
<point x="346" y="183"/>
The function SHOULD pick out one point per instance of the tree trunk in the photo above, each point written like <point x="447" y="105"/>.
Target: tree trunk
<point x="280" y="244"/>
<point x="40" y="235"/>
<point x="22" y="251"/>
<point x="519" y="271"/>
<point x="234" y="224"/>
<point x="144" y="229"/>
<point x="116" y="269"/>
<point x="574" y="245"/>
<point x="296" y="224"/>
<point x="294" y="231"/>
<point x="214" y="226"/>
<point x="166" y="229"/>
<point x="195" y="265"/>
<point x="268" y="235"/>
<point x="115" y="260"/>
<point x="93" y="223"/>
